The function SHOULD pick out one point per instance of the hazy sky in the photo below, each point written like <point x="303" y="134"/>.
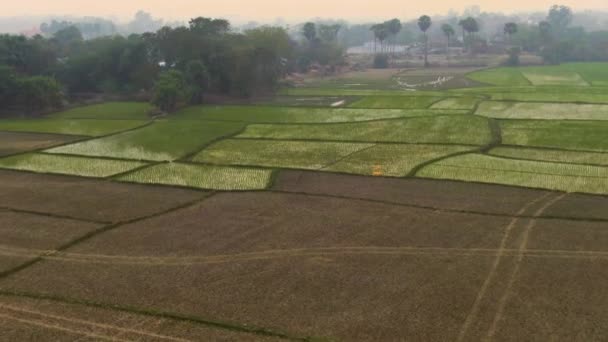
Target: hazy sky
<point x="270" y="9"/>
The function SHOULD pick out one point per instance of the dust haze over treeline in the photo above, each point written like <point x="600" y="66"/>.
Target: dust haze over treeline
<point x="172" y="64"/>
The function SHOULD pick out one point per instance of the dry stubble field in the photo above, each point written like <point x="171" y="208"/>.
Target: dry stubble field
<point x="380" y="259"/>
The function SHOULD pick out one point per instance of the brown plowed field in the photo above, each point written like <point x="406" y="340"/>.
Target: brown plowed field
<point x="13" y="142"/>
<point x="320" y="255"/>
<point x="87" y="199"/>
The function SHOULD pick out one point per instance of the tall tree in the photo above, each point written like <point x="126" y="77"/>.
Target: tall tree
<point x="448" y="32"/>
<point x="470" y="26"/>
<point x="329" y="33"/>
<point x="197" y="79"/>
<point x="510" y="29"/>
<point x="424" y="23"/>
<point x="380" y="34"/>
<point x="309" y="31"/>
<point x="560" y="17"/>
<point x="169" y="90"/>
<point x="394" y="27"/>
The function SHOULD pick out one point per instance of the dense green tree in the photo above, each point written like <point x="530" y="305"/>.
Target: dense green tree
<point x="560" y="17"/>
<point x="197" y="79"/>
<point x="169" y="91"/>
<point x="309" y="31"/>
<point x="68" y="39"/>
<point x="39" y="93"/>
<point x="424" y="23"/>
<point x="207" y="26"/>
<point x="329" y="33"/>
<point x="8" y="85"/>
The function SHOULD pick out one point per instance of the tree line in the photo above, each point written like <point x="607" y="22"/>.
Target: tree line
<point x="554" y="38"/>
<point x="175" y="65"/>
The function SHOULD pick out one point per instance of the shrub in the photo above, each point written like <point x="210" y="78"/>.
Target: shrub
<point x="513" y="59"/>
<point x="381" y="61"/>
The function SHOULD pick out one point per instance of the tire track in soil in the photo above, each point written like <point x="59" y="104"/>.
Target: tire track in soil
<point x="494" y="268"/>
<point x="114" y="328"/>
<point x="515" y="272"/>
<point x="279" y="254"/>
<point x="60" y="328"/>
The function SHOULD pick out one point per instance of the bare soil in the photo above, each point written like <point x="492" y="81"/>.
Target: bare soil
<point x="12" y="142"/>
<point x="95" y="200"/>
<point x="25" y="319"/>
<point x="320" y="255"/>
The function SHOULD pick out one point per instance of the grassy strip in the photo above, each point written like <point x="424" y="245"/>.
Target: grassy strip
<point x="159" y="314"/>
<point x="163" y="141"/>
<point x="108" y="110"/>
<point x="302" y="115"/>
<point x="69" y="127"/>
<point x="543" y="111"/>
<point x="567" y="135"/>
<point x="401" y="102"/>
<point x="392" y="160"/>
<point x="467" y="103"/>
<point x="277" y="153"/>
<point x="553" y="176"/>
<point x="357" y="92"/>
<point x="74" y="165"/>
<point x="456" y="129"/>
<point x="500" y="77"/>
<point x="548" y="155"/>
<point x="202" y="176"/>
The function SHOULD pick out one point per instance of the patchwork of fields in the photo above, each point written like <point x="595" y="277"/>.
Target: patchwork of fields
<point x="329" y="213"/>
<point x="514" y="128"/>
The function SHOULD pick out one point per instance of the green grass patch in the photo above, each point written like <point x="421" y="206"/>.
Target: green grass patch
<point x="543" y="111"/>
<point x="455" y="129"/>
<point x="542" y="94"/>
<point x="393" y="160"/>
<point x="500" y="77"/>
<point x="108" y="110"/>
<point x="282" y="154"/>
<point x="80" y="166"/>
<point x="466" y="103"/>
<point x="575" y="157"/>
<point x="357" y="92"/>
<point x="553" y="97"/>
<point x="202" y="176"/>
<point x="548" y="77"/>
<point x="568" y="74"/>
<point x="488" y="169"/>
<point x="403" y="102"/>
<point x="573" y="135"/>
<point x="161" y="141"/>
<point x="69" y="127"/>
<point x="269" y="114"/>
<point x="595" y="73"/>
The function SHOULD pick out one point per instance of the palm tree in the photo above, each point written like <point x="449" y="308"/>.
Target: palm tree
<point x="448" y="31"/>
<point x="381" y="32"/>
<point x="462" y="23"/>
<point x="424" y="23"/>
<point x="394" y="27"/>
<point x="470" y="26"/>
<point x="510" y="30"/>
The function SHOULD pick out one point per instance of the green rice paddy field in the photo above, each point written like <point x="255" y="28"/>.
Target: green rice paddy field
<point x="539" y="127"/>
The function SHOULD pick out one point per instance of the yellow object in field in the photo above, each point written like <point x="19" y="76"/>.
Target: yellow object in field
<point x="377" y="171"/>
